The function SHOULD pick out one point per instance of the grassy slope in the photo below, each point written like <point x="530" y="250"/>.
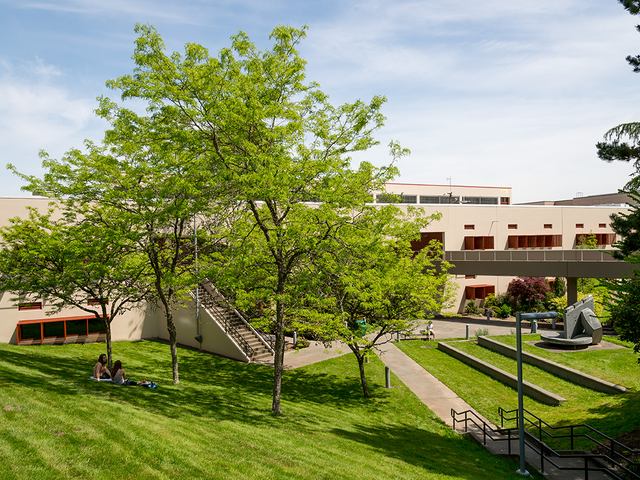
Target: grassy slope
<point x="611" y="413"/>
<point x="56" y="423"/>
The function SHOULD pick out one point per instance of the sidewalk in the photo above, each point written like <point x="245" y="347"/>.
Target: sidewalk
<point x="440" y="399"/>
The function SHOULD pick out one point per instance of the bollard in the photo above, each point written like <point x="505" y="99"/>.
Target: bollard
<point x="488" y="315"/>
<point x="467" y="331"/>
<point x="295" y="338"/>
<point x="387" y="377"/>
<point x="534" y="326"/>
<point x="398" y="336"/>
<point x="553" y="323"/>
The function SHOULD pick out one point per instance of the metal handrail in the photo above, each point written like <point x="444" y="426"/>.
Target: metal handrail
<point x="545" y="451"/>
<point x="209" y="304"/>
<point x="531" y="255"/>
<point x="260" y="333"/>
<point x="572" y="435"/>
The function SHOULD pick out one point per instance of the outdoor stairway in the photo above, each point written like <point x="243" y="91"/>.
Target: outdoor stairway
<point x="256" y="345"/>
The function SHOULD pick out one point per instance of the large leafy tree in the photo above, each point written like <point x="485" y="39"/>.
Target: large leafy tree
<point x="140" y="187"/>
<point x="271" y="144"/>
<point x="623" y="141"/>
<point x="72" y="263"/>
<point x="374" y="285"/>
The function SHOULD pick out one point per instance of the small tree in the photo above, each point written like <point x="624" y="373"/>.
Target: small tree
<point x="376" y="285"/>
<point x="72" y="264"/>
<point x="529" y="292"/>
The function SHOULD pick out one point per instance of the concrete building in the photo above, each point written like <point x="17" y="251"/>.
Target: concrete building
<point x="483" y="233"/>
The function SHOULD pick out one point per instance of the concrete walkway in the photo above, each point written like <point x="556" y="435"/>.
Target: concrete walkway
<point x="436" y="395"/>
<point x="440" y="399"/>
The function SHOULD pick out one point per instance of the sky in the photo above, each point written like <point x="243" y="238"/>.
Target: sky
<point x="492" y="93"/>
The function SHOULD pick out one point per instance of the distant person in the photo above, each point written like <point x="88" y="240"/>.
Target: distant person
<point x="431" y="333"/>
<point x="119" y="376"/>
<point x="100" y="370"/>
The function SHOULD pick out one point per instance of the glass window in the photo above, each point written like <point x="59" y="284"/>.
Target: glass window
<point x="76" y="327"/>
<point x="96" y="326"/>
<point x="54" y="329"/>
<point x="30" y="330"/>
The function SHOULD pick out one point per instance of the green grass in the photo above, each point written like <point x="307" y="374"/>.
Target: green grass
<point x="56" y="423"/>
<point x="612" y="414"/>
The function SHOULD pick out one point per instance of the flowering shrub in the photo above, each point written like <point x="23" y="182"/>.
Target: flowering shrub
<point x="529" y="291"/>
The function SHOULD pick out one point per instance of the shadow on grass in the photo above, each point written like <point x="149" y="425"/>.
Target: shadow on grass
<point x="428" y="450"/>
<point x="210" y="386"/>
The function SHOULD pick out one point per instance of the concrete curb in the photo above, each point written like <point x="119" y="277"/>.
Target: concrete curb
<point x="571" y="374"/>
<point x="529" y="388"/>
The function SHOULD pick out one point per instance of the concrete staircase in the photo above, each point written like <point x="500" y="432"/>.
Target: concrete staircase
<point x="254" y="344"/>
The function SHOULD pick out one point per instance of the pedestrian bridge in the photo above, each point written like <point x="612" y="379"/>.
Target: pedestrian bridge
<point x="570" y="264"/>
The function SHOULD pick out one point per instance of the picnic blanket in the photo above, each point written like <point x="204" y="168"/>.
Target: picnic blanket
<point x="107" y="380"/>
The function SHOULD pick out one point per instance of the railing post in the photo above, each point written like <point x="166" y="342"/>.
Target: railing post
<point x="571" y="437"/>
<point x="542" y="458"/>
<point x="484" y="433"/>
<point x="586" y="468"/>
<point x="387" y="376"/>
<point x="509" y="441"/>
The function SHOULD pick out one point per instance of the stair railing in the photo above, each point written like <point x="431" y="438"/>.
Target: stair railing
<point x="590" y="462"/>
<point x="267" y="340"/>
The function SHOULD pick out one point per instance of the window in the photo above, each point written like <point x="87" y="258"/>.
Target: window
<point x="30" y="306"/>
<point x="409" y="199"/>
<point x="478" y="243"/>
<point x="534" y="241"/>
<point x="579" y="225"/>
<point x="505" y="201"/>
<point x="425" y="239"/>
<point x="480" y="200"/>
<point x="474" y="292"/>
<point x="512" y="226"/>
<point x="601" y="238"/>
<point x="96" y="301"/>
<point x="60" y="330"/>
<point x="469" y="277"/>
<point x="602" y="225"/>
<point x="441" y="199"/>
<point x="469" y="227"/>
<point x="548" y="225"/>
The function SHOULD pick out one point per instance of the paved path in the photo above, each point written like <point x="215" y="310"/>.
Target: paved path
<point x="433" y="393"/>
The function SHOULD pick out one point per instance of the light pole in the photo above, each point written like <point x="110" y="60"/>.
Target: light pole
<point x="519" y="318"/>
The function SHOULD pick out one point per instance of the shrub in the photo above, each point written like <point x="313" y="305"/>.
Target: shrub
<point x="503" y="311"/>
<point x="471" y="308"/>
<point x="529" y="292"/>
<point x="482" y="332"/>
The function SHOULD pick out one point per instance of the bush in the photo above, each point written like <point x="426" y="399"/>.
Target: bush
<point x="529" y="292"/>
<point x="471" y="308"/>
<point x="503" y="311"/>
<point x="482" y="332"/>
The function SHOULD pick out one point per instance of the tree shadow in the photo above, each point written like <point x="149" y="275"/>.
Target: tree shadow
<point x="428" y="450"/>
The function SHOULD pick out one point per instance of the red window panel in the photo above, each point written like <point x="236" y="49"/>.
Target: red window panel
<point x="512" y="226"/>
<point x="475" y="292"/>
<point x="548" y="225"/>
<point x="469" y="227"/>
<point x="30" y="306"/>
<point x="478" y="243"/>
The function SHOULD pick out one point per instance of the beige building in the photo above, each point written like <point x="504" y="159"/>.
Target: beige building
<point x="474" y="219"/>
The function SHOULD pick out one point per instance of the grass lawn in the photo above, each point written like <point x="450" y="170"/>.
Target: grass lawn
<point x="56" y="423"/>
<point x="613" y="414"/>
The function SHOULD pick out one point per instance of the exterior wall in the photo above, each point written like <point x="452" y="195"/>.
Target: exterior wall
<point x="490" y="220"/>
<point x="487" y="220"/>
<point x="214" y="339"/>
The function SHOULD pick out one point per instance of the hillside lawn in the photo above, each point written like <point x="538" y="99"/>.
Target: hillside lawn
<point x="613" y="414"/>
<point x="56" y="423"/>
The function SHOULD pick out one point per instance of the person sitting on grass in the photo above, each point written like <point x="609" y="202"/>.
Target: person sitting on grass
<point x="100" y="370"/>
<point x="118" y="375"/>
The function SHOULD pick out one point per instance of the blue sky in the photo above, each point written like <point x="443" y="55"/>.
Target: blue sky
<point x="497" y="92"/>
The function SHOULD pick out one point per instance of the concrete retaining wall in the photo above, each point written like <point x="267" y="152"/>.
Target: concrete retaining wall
<point x="571" y="374"/>
<point x="530" y="389"/>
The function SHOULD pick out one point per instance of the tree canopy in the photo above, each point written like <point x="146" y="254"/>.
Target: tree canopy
<point x="623" y="141"/>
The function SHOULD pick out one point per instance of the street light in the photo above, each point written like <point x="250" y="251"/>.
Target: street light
<point x="519" y="318"/>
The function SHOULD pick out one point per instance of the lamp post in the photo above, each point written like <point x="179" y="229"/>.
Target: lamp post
<point x="519" y="318"/>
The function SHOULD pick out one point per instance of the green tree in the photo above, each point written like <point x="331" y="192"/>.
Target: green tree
<point x="376" y="285"/>
<point x="270" y="144"/>
<point x="623" y="141"/>
<point x="71" y="264"/>
<point x="140" y="189"/>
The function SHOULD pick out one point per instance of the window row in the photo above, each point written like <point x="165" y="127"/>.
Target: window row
<point x="441" y="199"/>
<point x="59" y="330"/>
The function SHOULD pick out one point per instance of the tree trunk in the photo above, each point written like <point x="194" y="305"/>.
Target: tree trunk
<point x="363" y="378"/>
<point x="278" y="360"/>
<point x="173" y="342"/>
<point x="107" y="327"/>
